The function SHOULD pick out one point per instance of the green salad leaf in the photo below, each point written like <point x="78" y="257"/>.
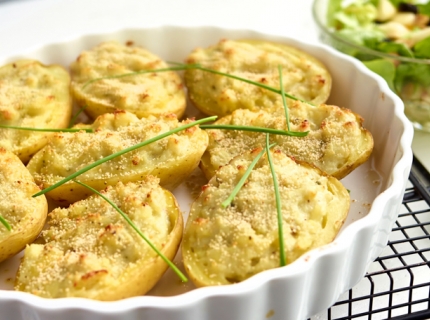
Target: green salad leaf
<point x="362" y="36"/>
<point x="355" y="16"/>
<point x="355" y="21"/>
<point x="422" y="48"/>
<point x="384" y="68"/>
<point x="388" y="47"/>
<point x="333" y="7"/>
<point x="412" y="72"/>
<point x="424" y="8"/>
<point x="397" y="2"/>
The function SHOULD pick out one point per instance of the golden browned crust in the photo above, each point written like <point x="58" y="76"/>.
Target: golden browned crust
<point x="143" y="94"/>
<point x="25" y="214"/>
<point x="224" y="246"/>
<point x="171" y="159"/>
<point x="303" y="76"/>
<point x="90" y="251"/>
<point x="337" y="142"/>
<point x="32" y="95"/>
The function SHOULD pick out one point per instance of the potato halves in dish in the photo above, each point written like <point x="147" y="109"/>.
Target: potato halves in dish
<point x="337" y="143"/>
<point x="32" y="95"/>
<point x="90" y="251"/>
<point x="303" y="76"/>
<point x="142" y="94"/>
<point x="26" y="215"/>
<point x="224" y="246"/>
<point x="171" y="159"/>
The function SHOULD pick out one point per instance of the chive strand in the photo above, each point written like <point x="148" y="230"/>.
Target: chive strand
<point x="255" y="129"/>
<point x="5" y="223"/>
<point x="258" y="84"/>
<point x="232" y="76"/>
<point x="182" y="66"/>
<point x="131" y="223"/>
<point x="45" y="129"/>
<point x="126" y="150"/>
<point x="261" y="85"/>
<point x="72" y="121"/>
<point x="284" y="102"/>
<point x="278" y="205"/>
<point x="243" y="179"/>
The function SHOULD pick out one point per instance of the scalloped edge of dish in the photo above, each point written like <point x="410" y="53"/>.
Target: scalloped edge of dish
<point x="299" y="290"/>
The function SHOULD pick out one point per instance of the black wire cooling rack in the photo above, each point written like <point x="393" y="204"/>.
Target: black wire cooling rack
<point x="397" y="284"/>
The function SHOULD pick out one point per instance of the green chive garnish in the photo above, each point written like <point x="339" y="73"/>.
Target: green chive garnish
<point x="278" y="205"/>
<point x="255" y="129"/>
<point x="120" y="153"/>
<point x="5" y="223"/>
<point x="118" y="76"/>
<point x="258" y="84"/>
<point x="284" y="102"/>
<point x="72" y="121"/>
<point x="45" y="129"/>
<point x="242" y="180"/>
<point x="131" y="223"/>
<point x="181" y="66"/>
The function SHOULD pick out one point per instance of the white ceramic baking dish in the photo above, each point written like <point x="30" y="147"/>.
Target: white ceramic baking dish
<point x="299" y="290"/>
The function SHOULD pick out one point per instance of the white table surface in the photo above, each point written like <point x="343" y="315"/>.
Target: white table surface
<point x="25" y="23"/>
<point x="28" y="23"/>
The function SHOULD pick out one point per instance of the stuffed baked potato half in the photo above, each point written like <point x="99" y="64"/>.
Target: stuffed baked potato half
<point x="90" y="251"/>
<point x="336" y="143"/>
<point x="304" y="76"/>
<point x="26" y="215"/>
<point x="144" y="94"/>
<point x="36" y="96"/>
<point x="171" y="159"/>
<point x="228" y="245"/>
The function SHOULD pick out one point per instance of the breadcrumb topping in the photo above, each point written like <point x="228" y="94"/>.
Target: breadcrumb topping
<point x="67" y="153"/>
<point x="143" y="94"/>
<point x="26" y="215"/>
<point x="32" y="95"/>
<point x="303" y="76"/>
<point x="223" y="246"/>
<point x="336" y="143"/>
<point x="89" y="248"/>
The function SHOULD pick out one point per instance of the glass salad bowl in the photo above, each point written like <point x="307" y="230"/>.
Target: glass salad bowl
<point x="396" y="48"/>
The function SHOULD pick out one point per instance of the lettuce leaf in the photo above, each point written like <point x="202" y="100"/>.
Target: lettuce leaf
<point x="422" y="49"/>
<point x="413" y="73"/>
<point x="397" y="2"/>
<point x="355" y="22"/>
<point x="361" y="37"/>
<point x="424" y="8"/>
<point x="354" y="16"/>
<point x="389" y="47"/>
<point x="384" y="68"/>
<point x="334" y="6"/>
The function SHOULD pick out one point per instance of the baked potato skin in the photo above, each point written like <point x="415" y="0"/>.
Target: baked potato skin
<point x="303" y="76"/>
<point x="90" y="251"/>
<point x="25" y="214"/>
<point x="228" y="245"/>
<point x="171" y="159"/>
<point x="32" y="95"/>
